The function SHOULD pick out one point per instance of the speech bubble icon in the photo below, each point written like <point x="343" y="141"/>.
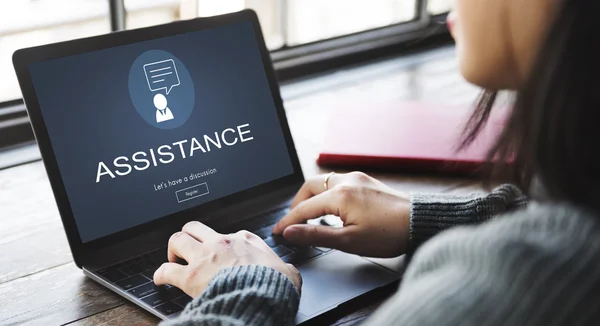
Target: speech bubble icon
<point x="161" y="75"/>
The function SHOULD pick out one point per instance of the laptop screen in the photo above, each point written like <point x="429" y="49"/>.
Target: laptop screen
<point x="148" y="129"/>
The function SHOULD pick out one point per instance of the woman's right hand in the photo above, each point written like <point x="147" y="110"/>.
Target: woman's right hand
<point x="376" y="218"/>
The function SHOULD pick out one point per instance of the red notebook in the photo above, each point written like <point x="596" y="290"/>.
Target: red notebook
<point x="405" y="136"/>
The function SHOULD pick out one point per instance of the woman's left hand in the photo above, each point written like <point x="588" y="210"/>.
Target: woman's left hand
<point x="208" y="252"/>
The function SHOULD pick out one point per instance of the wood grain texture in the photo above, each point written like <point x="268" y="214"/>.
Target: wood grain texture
<point x="32" y="238"/>
<point x="53" y="297"/>
<point x="122" y="315"/>
<point x="39" y="285"/>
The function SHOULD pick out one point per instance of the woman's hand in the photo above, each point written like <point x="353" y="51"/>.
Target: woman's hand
<point x="208" y="252"/>
<point x="376" y="218"/>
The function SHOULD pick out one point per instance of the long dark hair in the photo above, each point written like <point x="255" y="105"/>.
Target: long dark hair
<point x="553" y="133"/>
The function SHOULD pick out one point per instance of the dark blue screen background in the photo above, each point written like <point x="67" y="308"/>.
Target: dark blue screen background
<point x="90" y="118"/>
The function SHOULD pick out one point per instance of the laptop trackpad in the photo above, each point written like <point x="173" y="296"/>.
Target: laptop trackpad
<point x="336" y="278"/>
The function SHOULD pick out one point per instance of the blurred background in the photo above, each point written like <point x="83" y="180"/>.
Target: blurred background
<point x="287" y="24"/>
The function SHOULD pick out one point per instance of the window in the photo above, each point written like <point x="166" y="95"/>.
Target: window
<point x="288" y="23"/>
<point x="298" y="32"/>
<point x="34" y="22"/>
<point x="315" y="20"/>
<point x="436" y="7"/>
<point x="285" y="23"/>
<point x="143" y="13"/>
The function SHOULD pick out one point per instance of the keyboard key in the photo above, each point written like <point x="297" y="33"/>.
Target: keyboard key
<point x="146" y="264"/>
<point x="146" y="289"/>
<point x="132" y="268"/>
<point x="281" y="251"/>
<point x="183" y="301"/>
<point x="168" y="308"/>
<point x="163" y="294"/>
<point x="261" y="225"/>
<point x="174" y="292"/>
<point x="270" y="242"/>
<point x="275" y="240"/>
<point x="158" y="258"/>
<point x="278" y="239"/>
<point x="294" y="247"/>
<point x="269" y="219"/>
<point x="264" y="232"/>
<point x="112" y="275"/>
<point x="302" y="256"/>
<point x="149" y="273"/>
<point x="132" y="282"/>
<point x="156" y="298"/>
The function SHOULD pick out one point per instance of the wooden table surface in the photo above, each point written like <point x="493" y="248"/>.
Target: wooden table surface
<point x="40" y="285"/>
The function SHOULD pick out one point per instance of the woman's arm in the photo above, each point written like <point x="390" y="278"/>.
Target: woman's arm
<point x="243" y="295"/>
<point x="236" y="278"/>
<point x="380" y="221"/>
<point x="432" y="213"/>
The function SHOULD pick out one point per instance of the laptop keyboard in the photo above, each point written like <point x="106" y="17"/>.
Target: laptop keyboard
<point x="290" y="253"/>
<point x="135" y="275"/>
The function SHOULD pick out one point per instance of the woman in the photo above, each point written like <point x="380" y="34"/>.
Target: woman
<point x="534" y="265"/>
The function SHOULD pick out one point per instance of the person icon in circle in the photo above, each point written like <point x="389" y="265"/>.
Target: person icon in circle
<point x="163" y="113"/>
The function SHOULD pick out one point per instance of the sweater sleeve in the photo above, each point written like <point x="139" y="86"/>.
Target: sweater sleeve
<point x="432" y="213"/>
<point x="243" y="295"/>
<point x="537" y="266"/>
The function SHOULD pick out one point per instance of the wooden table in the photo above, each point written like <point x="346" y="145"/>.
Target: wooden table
<point x="40" y="285"/>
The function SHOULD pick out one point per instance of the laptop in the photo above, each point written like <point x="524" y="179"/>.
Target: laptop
<point x="142" y="131"/>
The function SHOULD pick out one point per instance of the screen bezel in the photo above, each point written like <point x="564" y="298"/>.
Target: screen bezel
<point x="23" y="58"/>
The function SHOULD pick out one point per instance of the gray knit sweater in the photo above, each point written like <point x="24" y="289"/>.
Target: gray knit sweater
<point x="535" y="265"/>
